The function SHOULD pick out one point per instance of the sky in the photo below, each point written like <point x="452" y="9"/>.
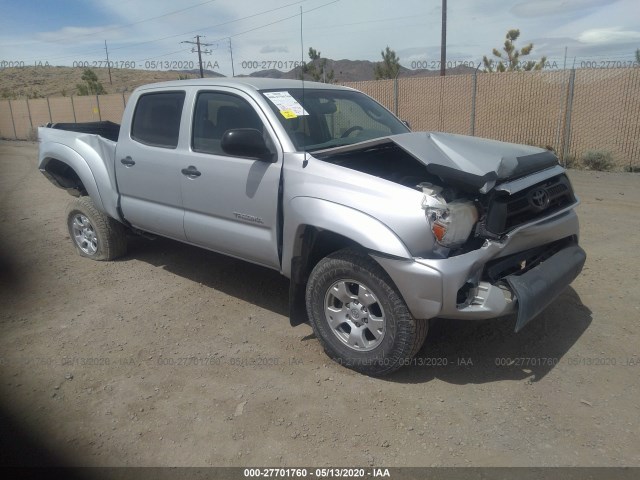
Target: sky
<point x="274" y="33"/>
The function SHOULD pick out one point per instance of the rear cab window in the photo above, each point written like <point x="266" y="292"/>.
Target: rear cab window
<point x="156" y="119"/>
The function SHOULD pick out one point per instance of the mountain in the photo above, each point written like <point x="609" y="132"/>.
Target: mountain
<point x="55" y="81"/>
<point x="358" y="70"/>
<point x="195" y="73"/>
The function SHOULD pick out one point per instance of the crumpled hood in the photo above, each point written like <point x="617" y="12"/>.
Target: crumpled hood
<point x="470" y="162"/>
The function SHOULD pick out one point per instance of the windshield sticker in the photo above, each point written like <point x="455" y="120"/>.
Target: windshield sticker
<point x="288" y="106"/>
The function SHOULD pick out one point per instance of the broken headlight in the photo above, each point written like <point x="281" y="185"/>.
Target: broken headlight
<point x="451" y="222"/>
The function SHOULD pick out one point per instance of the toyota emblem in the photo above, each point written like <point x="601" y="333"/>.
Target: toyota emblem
<point x="539" y="199"/>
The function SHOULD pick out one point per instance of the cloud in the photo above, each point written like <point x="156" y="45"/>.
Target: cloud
<point x="542" y="8"/>
<point x="602" y="36"/>
<point x="146" y="29"/>
<point x="274" y="49"/>
<point x="71" y="35"/>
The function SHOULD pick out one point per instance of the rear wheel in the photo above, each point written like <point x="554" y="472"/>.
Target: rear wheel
<point x="358" y="315"/>
<point x="94" y="234"/>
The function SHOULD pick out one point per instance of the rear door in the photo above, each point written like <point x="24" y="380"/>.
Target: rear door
<point x="148" y="168"/>
<point x="231" y="203"/>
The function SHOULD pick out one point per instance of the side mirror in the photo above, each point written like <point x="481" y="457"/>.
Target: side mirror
<point x="246" y="142"/>
<point x="406" y="124"/>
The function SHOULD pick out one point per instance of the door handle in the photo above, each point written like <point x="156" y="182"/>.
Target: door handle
<point x="127" y="162"/>
<point x="191" y="172"/>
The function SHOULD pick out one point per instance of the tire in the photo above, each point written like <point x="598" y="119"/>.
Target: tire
<point x="94" y="234"/>
<point x="371" y="329"/>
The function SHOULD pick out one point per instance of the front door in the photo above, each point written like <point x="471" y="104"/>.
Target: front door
<point x="230" y="203"/>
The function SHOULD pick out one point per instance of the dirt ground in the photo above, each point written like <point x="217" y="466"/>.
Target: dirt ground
<point x="177" y="356"/>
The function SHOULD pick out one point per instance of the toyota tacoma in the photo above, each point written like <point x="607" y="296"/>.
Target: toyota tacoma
<point x="378" y="228"/>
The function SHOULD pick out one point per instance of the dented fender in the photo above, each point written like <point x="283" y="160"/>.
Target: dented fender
<point x="91" y="158"/>
<point x="363" y="229"/>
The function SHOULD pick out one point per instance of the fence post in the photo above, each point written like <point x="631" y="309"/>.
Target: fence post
<point x="441" y="105"/>
<point x="73" y="109"/>
<point x="13" y="122"/>
<point x="124" y="102"/>
<point x="49" y="107"/>
<point x="98" y="103"/>
<point x="395" y="95"/>
<point x="29" y="112"/>
<point x="563" y="102"/>
<point x="474" y="88"/>
<point x="567" y="125"/>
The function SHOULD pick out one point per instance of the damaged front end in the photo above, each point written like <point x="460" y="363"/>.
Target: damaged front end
<point x="501" y="216"/>
<point x="530" y="279"/>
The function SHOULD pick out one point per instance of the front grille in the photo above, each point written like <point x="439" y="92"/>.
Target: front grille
<point x="506" y="212"/>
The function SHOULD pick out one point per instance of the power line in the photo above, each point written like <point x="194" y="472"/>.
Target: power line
<point x="233" y="73"/>
<point x="250" y="30"/>
<point x="385" y="20"/>
<point x="108" y="64"/>
<point x="199" y="50"/>
<point x="211" y="27"/>
<point x="164" y="55"/>
<point x="443" y="40"/>
<point x="273" y="23"/>
<point x="130" y="45"/>
<point x="109" y="29"/>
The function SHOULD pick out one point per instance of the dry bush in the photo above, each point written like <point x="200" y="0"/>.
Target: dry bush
<point x="598" y="160"/>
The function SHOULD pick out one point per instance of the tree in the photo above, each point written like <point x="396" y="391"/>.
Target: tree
<point x="511" y="61"/>
<point x="314" y="54"/>
<point x="638" y="55"/>
<point x="91" y="85"/>
<point x="317" y="68"/>
<point x="389" y="67"/>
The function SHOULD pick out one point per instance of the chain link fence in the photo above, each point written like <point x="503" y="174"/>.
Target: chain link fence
<point x="570" y="111"/>
<point x="19" y="119"/>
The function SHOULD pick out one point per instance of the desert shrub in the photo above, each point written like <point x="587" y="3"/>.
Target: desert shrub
<point x="32" y="135"/>
<point x="598" y="160"/>
<point x="91" y="85"/>
<point x="570" y="161"/>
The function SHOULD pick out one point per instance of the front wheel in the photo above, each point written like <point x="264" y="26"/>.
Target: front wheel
<point x="94" y="234"/>
<point x="358" y="315"/>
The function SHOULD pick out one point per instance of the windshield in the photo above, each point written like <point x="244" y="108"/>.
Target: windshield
<point x="331" y="118"/>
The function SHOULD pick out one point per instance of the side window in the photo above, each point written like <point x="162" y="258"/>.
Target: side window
<point x="215" y="113"/>
<point x="156" y="120"/>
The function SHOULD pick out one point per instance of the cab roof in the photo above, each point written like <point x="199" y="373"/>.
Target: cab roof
<point x="244" y="83"/>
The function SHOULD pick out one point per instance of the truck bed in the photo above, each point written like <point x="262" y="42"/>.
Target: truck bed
<point x="106" y="129"/>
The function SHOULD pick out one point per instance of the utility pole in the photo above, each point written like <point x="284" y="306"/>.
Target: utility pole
<point x="233" y="74"/>
<point x="443" y="40"/>
<point x="199" y="50"/>
<point x="108" y="64"/>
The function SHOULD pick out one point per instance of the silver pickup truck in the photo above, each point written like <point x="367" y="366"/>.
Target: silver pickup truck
<point x="378" y="228"/>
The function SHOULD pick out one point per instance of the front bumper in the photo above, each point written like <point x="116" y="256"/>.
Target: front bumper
<point x="537" y="288"/>
<point x="431" y="287"/>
